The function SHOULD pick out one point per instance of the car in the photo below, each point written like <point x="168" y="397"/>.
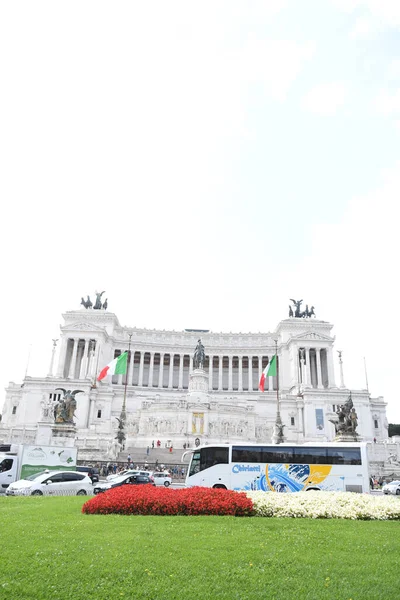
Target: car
<point x="129" y="472"/>
<point x="393" y="487"/>
<point x="93" y="472"/>
<point x="52" y="483"/>
<point x="130" y="479"/>
<point x="162" y="478"/>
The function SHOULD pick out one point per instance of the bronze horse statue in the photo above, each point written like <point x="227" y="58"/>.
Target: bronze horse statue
<point x="199" y="356"/>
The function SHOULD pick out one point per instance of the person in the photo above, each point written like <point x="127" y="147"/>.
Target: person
<point x="152" y="444"/>
<point x="170" y="449"/>
<point x="129" y="459"/>
<point x="374" y="440"/>
<point x="148" y="450"/>
<point x="183" y="472"/>
<point x="184" y="446"/>
<point x="158" y="443"/>
<point x="371" y="483"/>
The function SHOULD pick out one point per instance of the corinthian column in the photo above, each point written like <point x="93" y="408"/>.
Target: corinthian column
<point x="71" y="374"/>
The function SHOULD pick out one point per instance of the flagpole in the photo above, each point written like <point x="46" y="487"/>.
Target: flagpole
<point x="366" y="376"/>
<point x="123" y="411"/>
<point x="121" y="437"/>
<point x="279" y="439"/>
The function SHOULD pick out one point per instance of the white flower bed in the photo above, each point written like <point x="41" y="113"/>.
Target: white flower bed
<point x="325" y="505"/>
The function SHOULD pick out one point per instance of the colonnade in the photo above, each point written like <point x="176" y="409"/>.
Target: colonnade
<point x="165" y="370"/>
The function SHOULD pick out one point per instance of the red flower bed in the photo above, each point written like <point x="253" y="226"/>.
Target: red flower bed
<point x="150" y="500"/>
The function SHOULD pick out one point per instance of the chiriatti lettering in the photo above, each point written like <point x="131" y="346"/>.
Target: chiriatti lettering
<point x="240" y="468"/>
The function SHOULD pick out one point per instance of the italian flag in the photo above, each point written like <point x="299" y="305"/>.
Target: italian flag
<point x="116" y="367"/>
<point x="269" y="371"/>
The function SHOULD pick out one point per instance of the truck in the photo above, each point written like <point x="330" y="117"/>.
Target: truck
<point x="21" y="461"/>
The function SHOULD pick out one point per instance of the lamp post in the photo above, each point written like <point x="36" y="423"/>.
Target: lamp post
<point x="278" y="435"/>
<point x="121" y="437"/>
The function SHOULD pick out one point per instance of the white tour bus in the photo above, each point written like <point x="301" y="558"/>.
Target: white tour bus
<point x="341" y="467"/>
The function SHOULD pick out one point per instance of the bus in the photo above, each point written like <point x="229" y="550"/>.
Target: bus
<point x="333" y="467"/>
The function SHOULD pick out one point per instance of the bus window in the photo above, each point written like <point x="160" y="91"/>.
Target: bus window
<point x="277" y="455"/>
<point x="309" y="456"/>
<point x="213" y="456"/>
<point x="344" y="456"/>
<point x="249" y="454"/>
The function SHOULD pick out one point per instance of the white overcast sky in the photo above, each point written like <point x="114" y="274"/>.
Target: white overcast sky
<point x="202" y="162"/>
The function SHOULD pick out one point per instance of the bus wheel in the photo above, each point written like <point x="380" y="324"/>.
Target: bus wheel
<point x="219" y="486"/>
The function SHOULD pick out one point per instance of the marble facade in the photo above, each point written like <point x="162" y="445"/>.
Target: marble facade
<point x="168" y="400"/>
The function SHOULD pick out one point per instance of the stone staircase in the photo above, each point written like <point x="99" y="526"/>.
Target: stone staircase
<point x="139" y="456"/>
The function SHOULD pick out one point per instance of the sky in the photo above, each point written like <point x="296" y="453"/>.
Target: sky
<point x="202" y="163"/>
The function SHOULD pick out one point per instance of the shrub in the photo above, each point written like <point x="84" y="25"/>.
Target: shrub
<point x="150" y="500"/>
<point x="325" y="505"/>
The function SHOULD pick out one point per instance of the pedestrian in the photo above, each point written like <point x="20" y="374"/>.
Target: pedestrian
<point x="183" y="472"/>
<point x="129" y="459"/>
<point x="152" y="444"/>
<point x="374" y="440"/>
<point x="148" y="450"/>
<point x="170" y="449"/>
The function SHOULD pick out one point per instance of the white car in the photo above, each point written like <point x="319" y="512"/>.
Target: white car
<point x="163" y="478"/>
<point x="136" y="477"/>
<point x="52" y="483"/>
<point x="392" y="488"/>
<point x="115" y="476"/>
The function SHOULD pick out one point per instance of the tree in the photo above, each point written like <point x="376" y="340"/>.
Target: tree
<point x="394" y="429"/>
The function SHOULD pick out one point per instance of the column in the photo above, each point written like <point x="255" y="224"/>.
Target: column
<point x="73" y="359"/>
<point x="171" y="371"/>
<point x="329" y="363"/>
<point x="210" y="372"/>
<point x="180" y="381"/>
<point x="95" y="359"/>
<point x="319" y="370"/>
<point x="84" y="362"/>
<point x="131" y="365"/>
<point x="230" y="374"/>
<point x="191" y="364"/>
<point x="61" y="359"/>
<point x="240" y="384"/>
<point x="307" y="370"/>
<point x="250" y="359"/>
<point x="141" y="366"/>
<point x="220" y="372"/>
<point x="161" y="372"/>
<point x="151" y="370"/>
<point x="53" y="352"/>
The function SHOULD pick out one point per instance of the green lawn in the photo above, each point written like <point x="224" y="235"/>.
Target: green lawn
<point x="49" y="549"/>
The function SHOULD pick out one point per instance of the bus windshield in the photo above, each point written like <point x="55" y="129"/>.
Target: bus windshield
<point x="204" y="458"/>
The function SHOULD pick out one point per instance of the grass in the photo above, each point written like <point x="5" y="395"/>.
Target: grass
<point x="49" y="550"/>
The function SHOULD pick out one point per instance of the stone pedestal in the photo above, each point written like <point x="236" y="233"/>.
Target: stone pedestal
<point x="347" y="437"/>
<point x="44" y="433"/>
<point x="198" y="381"/>
<point x="63" y="434"/>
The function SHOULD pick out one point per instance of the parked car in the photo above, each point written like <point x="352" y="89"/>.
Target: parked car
<point x="129" y="472"/>
<point x="134" y="479"/>
<point x="162" y="478"/>
<point x="93" y="473"/>
<point x="392" y="488"/>
<point x="52" y="483"/>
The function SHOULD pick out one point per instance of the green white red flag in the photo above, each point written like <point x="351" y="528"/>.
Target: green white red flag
<point x="269" y="371"/>
<point x="115" y="367"/>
